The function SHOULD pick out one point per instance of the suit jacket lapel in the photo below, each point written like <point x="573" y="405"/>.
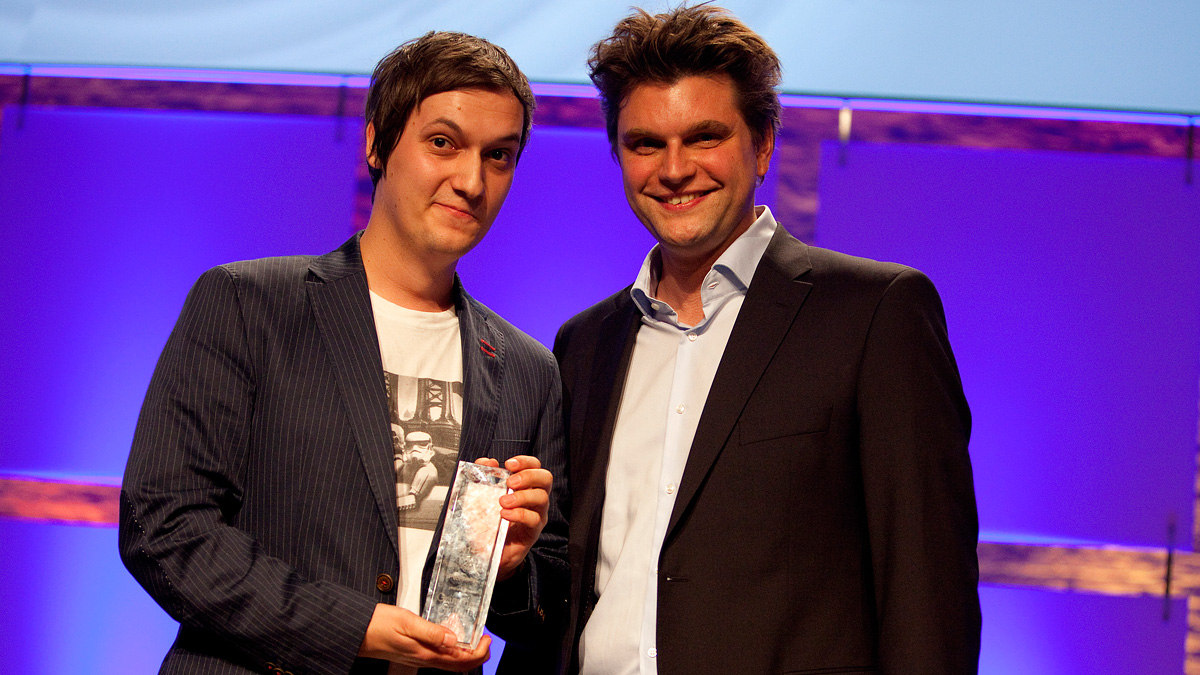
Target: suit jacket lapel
<point x="483" y="358"/>
<point x="588" y="459"/>
<point x="341" y="303"/>
<point x="483" y="349"/>
<point x="616" y="337"/>
<point x="772" y="302"/>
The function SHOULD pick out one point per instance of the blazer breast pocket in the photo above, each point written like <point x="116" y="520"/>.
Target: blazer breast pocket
<point x="783" y="424"/>
<point x="833" y="670"/>
<point x="503" y="448"/>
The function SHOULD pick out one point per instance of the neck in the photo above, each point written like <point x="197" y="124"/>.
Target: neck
<point x="394" y="274"/>
<point x="679" y="284"/>
<point x="681" y="276"/>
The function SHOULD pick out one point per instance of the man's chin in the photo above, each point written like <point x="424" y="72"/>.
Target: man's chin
<point x="454" y="245"/>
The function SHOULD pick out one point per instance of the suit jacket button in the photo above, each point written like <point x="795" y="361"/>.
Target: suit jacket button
<point x="385" y="583"/>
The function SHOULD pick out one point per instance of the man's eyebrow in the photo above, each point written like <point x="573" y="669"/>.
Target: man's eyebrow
<point x="703" y="126"/>
<point x="446" y="121"/>
<point x="511" y="138"/>
<point x="709" y="126"/>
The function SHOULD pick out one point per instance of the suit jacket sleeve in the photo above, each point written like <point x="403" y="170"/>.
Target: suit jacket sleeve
<point x="920" y="504"/>
<point x="182" y="489"/>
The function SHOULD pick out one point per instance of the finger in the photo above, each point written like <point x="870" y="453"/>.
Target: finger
<point x="427" y="633"/>
<point x="522" y="462"/>
<point x="523" y="517"/>
<point x="531" y="478"/>
<point x="488" y="461"/>
<point x="536" y="500"/>
<point x="462" y="659"/>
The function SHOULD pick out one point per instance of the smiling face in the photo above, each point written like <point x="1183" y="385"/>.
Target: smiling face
<point x="449" y="173"/>
<point x="689" y="164"/>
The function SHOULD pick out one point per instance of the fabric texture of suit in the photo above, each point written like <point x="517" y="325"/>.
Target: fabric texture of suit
<point x="259" y="502"/>
<point x="826" y="521"/>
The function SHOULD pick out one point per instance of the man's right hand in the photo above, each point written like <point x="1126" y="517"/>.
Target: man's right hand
<point x="396" y="634"/>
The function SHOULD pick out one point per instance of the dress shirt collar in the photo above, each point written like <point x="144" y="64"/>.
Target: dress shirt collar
<point x="736" y="265"/>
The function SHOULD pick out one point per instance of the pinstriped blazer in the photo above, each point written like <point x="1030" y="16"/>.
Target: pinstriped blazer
<point x="258" y="505"/>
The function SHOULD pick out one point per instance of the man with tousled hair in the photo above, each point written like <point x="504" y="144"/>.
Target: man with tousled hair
<point x="767" y="440"/>
<point x="259" y="505"/>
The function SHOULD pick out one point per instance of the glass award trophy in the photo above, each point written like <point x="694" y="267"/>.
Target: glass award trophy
<point x="468" y="555"/>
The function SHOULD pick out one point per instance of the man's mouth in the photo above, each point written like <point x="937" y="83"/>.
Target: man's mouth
<point x="679" y="200"/>
<point x="462" y="211"/>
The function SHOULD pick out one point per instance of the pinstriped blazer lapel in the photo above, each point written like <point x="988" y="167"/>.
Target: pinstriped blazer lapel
<point x="341" y="303"/>
<point x="482" y="375"/>
<point x="768" y="312"/>
<point x="483" y="348"/>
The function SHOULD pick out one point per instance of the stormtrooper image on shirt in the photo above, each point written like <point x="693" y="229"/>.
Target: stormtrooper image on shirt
<point x="426" y="420"/>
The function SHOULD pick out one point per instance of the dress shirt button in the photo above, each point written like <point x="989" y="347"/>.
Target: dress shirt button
<point x="385" y="583"/>
<point x="671" y="489"/>
<point x="679" y="408"/>
<point x="652" y="652"/>
<point x="691" y="337"/>
<point x="655" y="306"/>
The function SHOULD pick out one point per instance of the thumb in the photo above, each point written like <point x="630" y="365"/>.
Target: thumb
<point x="432" y="634"/>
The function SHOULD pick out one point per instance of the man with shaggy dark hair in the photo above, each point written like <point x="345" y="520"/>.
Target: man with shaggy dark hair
<point x="260" y="505"/>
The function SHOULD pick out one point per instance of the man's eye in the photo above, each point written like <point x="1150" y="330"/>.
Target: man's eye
<point x="499" y="155"/>
<point x="440" y="143"/>
<point x="645" y="146"/>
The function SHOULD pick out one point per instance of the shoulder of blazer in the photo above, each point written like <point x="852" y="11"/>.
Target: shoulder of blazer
<point x="485" y="321"/>
<point x="591" y="318"/>
<point x="344" y="261"/>
<point x="275" y="272"/>
<point x="828" y="265"/>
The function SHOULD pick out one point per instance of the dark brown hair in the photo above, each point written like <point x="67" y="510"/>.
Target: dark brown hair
<point x="434" y="63"/>
<point x="700" y="40"/>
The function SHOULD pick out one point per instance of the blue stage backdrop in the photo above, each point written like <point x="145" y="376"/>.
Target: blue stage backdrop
<point x="1071" y="287"/>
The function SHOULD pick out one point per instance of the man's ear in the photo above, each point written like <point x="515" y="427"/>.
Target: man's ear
<point x="372" y="159"/>
<point x="764" y="153"/>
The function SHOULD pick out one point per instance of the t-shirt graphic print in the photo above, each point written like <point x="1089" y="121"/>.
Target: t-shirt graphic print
<point x="426" y="419"/>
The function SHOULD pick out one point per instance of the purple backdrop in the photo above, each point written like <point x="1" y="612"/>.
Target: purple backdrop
<point x="1070" y="283"/>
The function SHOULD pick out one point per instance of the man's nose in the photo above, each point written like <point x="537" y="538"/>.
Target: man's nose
<point x="677" y="165"/>
<point x="468" y="176"/>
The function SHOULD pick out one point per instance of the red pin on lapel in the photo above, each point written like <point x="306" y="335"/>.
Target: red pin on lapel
<point x="487" y="348"/>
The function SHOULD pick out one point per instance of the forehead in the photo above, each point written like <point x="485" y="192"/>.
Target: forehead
<point x="686" y="101"/>
<point x="494" y="110"/>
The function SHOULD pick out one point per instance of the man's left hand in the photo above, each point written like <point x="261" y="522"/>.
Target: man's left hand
<point x="525" y="509"/>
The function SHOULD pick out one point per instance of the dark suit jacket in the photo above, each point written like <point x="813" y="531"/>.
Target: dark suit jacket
<point x="826" y="518"/>
<point x="259" y="501"/>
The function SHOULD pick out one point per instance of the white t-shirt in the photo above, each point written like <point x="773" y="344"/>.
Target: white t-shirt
<point x="422" y="365"/>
